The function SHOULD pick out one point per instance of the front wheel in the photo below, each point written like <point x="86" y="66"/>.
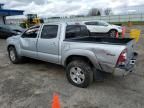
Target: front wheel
<point x="14" y="58"/>
<point x="79" y="73"/>
<point x="112" y="33"/>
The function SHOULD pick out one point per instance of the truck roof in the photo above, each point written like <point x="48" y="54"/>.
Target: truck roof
<point x="67" y="23"/>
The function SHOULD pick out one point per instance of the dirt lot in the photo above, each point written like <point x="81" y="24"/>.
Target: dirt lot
<point x="32" y="84"/>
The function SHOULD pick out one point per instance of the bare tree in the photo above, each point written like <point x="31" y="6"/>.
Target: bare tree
<point x="108" y="11"/>
<point x="94" y="12"/>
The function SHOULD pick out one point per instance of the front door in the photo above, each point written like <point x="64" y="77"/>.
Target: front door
<point x="28" y="42"/>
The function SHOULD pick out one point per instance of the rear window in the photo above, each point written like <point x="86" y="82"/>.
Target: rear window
<point x="73" y="31"/>
<point x="97" y="23"/>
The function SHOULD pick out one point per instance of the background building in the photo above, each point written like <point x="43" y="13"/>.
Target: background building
<point x="8" y="12"/>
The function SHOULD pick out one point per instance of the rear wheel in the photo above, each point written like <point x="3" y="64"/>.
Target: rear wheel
<point x="112" y="33"/>
<point x="79" y="73"/>
<point x="13" y="56"/>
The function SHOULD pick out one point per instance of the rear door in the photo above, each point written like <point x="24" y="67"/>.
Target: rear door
<point x="102" y="27"/>
<point x="92" y="26"/>
<point x="48" y="43"/>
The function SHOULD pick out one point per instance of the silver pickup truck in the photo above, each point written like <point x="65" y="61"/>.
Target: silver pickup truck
<point x="72" y="46"/>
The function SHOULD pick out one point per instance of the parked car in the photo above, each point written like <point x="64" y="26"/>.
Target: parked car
<point x="103" y="27"/>
<point x="69" y="45"/>
<point x="10" y="30"/>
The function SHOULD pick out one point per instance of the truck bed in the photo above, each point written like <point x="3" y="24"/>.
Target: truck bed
<point x="100" y="40"/>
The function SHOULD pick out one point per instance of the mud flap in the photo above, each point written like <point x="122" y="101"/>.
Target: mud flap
<point x="98" y="75"/>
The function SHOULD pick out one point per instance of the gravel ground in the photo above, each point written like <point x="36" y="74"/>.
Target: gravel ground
<point x="32" y="84"/>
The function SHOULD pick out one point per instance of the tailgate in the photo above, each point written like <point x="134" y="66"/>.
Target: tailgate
<point x="130" y="52"/>
<point x="127" y="58"/>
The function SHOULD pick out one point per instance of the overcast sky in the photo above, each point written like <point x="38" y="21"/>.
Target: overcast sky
<point x="50" y="8"/>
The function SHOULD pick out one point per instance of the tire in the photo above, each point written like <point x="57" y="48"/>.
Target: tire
<point x="13" y="56"/>
<point x="112" y="33"/>
<point x="79" y="73"/>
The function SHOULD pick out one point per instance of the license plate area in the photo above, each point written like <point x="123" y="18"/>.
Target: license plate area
<point x="132" y="62"/>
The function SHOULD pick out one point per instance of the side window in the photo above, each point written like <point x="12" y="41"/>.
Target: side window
<point x="72" y="31"/>
<point x="31" y="33"/>
<point x="88" y="23"/>
<point x="49" y="31"/>
<point x="84" y="31"/>
<point x="102" y="24"/>
<point x="91" y="23"/>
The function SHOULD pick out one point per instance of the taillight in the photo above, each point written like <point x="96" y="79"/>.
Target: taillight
<point x="122" y="58"/>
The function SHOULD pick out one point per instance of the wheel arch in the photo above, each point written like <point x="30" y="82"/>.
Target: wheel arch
<point x="112" y="29"/>
<point x="77" y="57"/>
<point x="86" y="54"/>
<point x="16" y="47"/>
<point x="10" y="45"/>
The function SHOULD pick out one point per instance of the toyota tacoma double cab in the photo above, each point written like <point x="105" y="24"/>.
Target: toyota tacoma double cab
<point x="72" y="46"/>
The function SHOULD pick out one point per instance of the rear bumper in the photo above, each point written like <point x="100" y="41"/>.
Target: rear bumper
<point x="124" y="70"/>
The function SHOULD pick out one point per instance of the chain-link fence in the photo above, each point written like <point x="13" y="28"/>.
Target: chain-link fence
<point x="111" y="18"/>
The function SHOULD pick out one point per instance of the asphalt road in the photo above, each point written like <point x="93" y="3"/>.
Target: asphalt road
<point x="32" y="84"/>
